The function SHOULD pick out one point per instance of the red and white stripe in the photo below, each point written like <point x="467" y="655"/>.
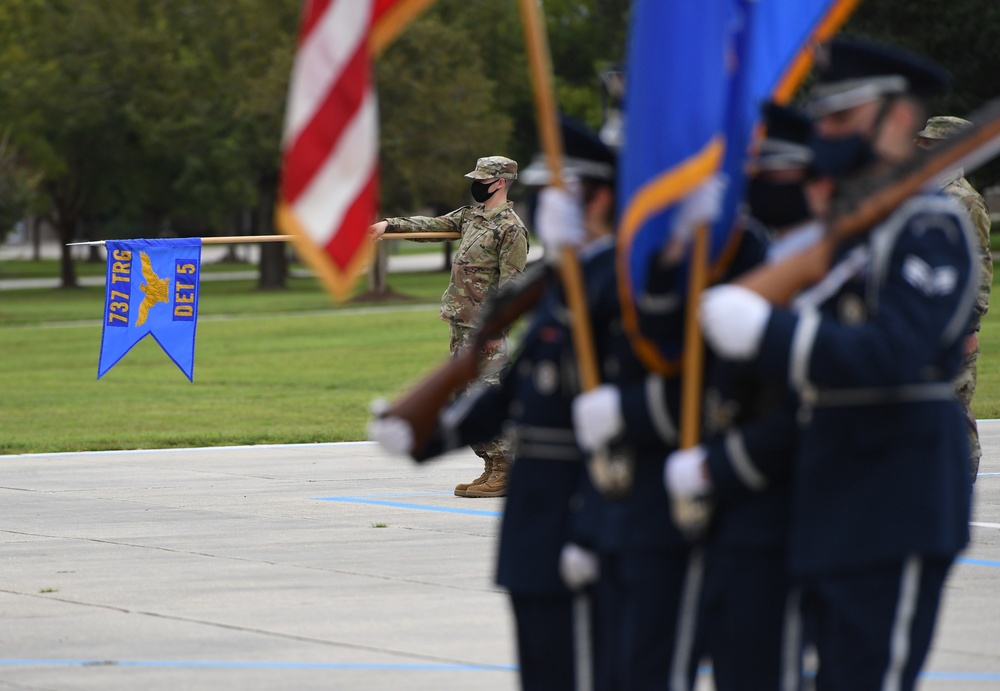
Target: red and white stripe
<point x="329" y="186"/>
<point x="330" y="166"/>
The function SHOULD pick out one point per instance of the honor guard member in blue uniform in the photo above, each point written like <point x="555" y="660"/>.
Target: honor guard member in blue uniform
<point x="532" y="404"/>
<point x="880" y="486"/>
<point x="654" y="569"/>
<point x="745" y="461"/>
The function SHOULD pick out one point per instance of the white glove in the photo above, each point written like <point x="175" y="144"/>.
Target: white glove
<point x="702" y="206"/>
<point x="684" y="473"/>
<point x="394" y="435"/>
<point x="597" y="416"/>
<point x="733" y="319"/>
<point x="578" y="567"/>
<point x="559" y="219"/>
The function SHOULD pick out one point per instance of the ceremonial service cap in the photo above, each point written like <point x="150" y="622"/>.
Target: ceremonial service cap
<point x="786" y="142"/>
<point x="852" y="71"/>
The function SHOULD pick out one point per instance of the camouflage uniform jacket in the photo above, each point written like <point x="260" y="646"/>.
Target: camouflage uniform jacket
<point x="493" y="250"/>
<point x="958" y="187"/>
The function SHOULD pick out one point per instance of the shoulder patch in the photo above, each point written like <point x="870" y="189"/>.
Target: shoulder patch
<point x="931" y="282"/>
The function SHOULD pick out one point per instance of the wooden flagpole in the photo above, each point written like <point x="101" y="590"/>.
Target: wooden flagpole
<point x="540" y="63"/>
<point x="244" y="239"/>
<point x="694" y="350"/>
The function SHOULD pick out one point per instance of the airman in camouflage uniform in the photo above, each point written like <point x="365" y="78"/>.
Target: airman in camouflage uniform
<point x="955" y="185"/>
<point x="493" y="249"/>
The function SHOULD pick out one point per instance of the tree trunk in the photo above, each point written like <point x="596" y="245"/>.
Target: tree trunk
<point x="241" y="223"/>
<point x="86" y="231"/>
<point x="273" y="260"/>
<point x="67" y="269"/>
<point x="67" y="210"/>
<point x="35" y="223"/>
<point x="378" y="274"/>
<point x="273" y="266"/>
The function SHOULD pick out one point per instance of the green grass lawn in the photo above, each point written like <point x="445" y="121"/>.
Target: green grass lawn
<point x="986" y="403"/>
<point x="270" y="367"/>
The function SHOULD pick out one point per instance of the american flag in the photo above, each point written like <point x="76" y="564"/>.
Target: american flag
<point x="329" y="185"/>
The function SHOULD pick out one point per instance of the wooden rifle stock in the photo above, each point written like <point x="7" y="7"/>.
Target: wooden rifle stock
<point x="421" y="405"/>
<point x="778" y="283"/>
<point x="781" y="281"/>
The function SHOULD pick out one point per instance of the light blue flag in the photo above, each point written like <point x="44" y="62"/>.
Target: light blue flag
<point x="697" y="74"/>
<point x="774" y="42"/>
<point x="152" y="289"/>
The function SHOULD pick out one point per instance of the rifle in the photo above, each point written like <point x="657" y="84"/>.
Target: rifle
<point x="859" y="211"/>
<point x="421" y="404"/>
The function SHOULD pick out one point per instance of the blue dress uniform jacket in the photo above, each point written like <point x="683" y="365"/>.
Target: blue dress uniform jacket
<point x="651" y="403"/>
<point x="880" y="472"/>
<point x="533" y="404"/>
<point x="744" y="619"/>
<point x="750" y="468"/>
<point x="645" y="561"/>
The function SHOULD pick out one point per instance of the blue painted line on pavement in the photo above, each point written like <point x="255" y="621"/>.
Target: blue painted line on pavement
<point x="961" y="676"/>
<point x="390" y="494"/>
<point x="404" y="505"/>
<point x="372" y="666"/>
<point x="979" y="562"/>
<point x="237" y="664"/>
<point x="371" y="499"/>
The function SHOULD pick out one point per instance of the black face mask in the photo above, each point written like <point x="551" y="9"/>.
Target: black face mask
<point x="842" y="156"/>
<point x="777" y="204"/>
<point x="479" y="192"/>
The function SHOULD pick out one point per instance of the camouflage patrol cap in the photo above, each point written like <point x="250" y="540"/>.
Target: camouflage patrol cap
<point x="494" y="167"/>
<point x="943" y="126"/>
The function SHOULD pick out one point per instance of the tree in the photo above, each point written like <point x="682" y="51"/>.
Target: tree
<point x="143" y="114"/>
<point x="17" y="189"/>
<point x="438" y="115"/>
<point x="456" y="82"/>
<point x="145" y="117"/>
<point x="62" y="95"/>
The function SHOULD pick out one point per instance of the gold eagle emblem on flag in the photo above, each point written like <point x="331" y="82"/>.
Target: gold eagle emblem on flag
<point x="155" y="288"/>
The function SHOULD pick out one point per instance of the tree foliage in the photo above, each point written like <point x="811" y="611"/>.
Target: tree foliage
<point x="431" y="81"/>
<point x="456" y="86"/>
<point x="17" y="188"/>
<point x="142" y="117"/>
<point x="962" y="35"/>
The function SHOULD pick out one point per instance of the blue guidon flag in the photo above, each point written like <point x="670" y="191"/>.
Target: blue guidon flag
<point x="697" y="74"/>
<point x="152" y="289"/>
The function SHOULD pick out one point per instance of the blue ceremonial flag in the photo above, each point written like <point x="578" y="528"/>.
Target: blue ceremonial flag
<point x="774" y="43"/>
<point x="152" y="289"/>
<point x="697" y="74"/>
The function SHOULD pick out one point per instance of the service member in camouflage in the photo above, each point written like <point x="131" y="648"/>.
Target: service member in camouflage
<point x="493" y="249"/>
<point x="955" y="185"/>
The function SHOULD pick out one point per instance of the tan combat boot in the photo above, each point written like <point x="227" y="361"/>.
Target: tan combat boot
<point x="461" y="490"/>
<point x="495" y="485"/>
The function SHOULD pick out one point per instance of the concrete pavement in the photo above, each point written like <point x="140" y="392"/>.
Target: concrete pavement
<point x="322" y="566"/>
